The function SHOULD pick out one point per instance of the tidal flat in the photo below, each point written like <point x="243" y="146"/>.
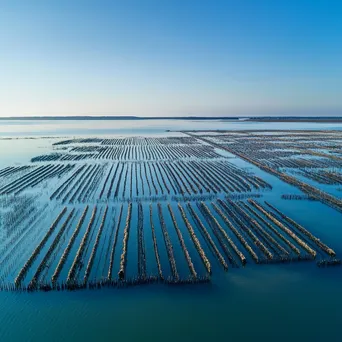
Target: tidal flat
<point x="197" y="234"/>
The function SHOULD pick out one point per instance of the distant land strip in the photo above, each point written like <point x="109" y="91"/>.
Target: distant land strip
<point x="118" y="118"/>
<point x="321" y="119"/>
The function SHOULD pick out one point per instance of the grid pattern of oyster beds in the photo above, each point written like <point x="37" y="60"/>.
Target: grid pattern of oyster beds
<point x="11" y="170"/>
<point x="330" y="177"/>
<point x="308" y="154"/>
<point x="92" y="223"/>
<point x="83" y="180"/>
<point x="140" y="141"/>
<point x="132" y="149"/>
<point x="154" y="180"/>
<point x="294" y="149"/>
<point x="34" y="177"/>
<point x="93" y="246"/>
<point x="302" y="163"/>
<point x="144" y="141"/>
<point x="156" y="152"/>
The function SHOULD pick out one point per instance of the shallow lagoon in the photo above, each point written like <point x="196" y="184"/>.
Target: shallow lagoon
<point x="298" y="301"/>
<point x="13" y="128"/>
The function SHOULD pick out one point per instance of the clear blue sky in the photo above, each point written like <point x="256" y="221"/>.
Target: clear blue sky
<point x="171" y="57"/>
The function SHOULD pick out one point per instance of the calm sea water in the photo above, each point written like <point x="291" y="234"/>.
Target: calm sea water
<point x="297" y="302"/>
<point x="12" y="128"/>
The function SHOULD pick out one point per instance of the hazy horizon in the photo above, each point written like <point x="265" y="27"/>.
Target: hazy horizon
<point x="182" y="58"/>
<point x="188" y="117"/>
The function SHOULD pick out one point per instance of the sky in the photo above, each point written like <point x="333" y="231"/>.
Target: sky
<point x="170" y="58"/>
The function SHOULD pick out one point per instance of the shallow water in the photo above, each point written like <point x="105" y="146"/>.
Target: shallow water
<point x="14" y="128"/>
<point x="275" y="302"/>
<point x="298" y="301"/>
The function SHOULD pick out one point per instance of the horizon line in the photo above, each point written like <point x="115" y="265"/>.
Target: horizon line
<point x="189" y="117"/>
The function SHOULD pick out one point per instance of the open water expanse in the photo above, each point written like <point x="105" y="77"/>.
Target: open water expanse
<point x="12" y="128"/>
<point x="280" y="302"/>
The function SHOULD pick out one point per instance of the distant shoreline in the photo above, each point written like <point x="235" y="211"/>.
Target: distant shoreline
<point x="118" y="118"/>
<point x="328" y="119"/>
<point x="298" y="119"/>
